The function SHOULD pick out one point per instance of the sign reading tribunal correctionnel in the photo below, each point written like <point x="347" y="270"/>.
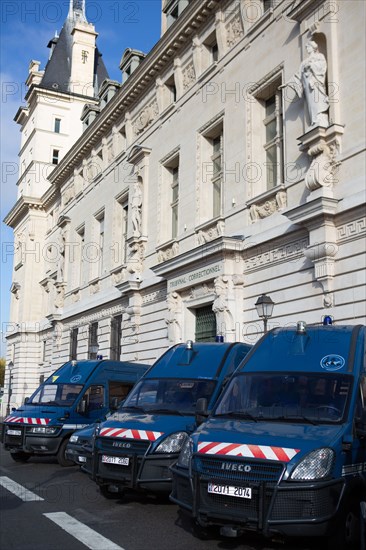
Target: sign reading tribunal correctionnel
<point x="196" y="276"/>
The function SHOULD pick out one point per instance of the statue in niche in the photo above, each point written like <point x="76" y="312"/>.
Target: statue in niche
<point x="61" y="256"/>
<point x="174" y="308"/>
<point x="220" y="305"/>
<point x="309" y="81"/>
<point x="136" y="208"/>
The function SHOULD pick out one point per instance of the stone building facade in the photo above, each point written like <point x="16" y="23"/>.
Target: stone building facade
<point x="230" y="163"/>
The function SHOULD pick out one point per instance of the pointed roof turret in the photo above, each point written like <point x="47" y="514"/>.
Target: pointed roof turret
<point x="69" y="56"/>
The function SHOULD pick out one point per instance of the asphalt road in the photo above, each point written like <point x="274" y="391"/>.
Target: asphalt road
<point x="61" y="509"/>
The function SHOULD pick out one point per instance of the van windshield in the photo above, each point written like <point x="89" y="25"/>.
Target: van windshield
<point x="309" y="397"/>
<point x="169" y="396"/>
<point x="61" y="395"/>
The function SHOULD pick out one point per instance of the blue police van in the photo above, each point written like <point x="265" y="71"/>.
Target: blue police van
<point x="135" y="447"/>
<point x="284" y="451"/>
<point x="75" y="395"/>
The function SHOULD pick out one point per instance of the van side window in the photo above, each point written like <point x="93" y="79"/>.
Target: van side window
<point x="119" y="390"/>
<point x="94" y="398"/>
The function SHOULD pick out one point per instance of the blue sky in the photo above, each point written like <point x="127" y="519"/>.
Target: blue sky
<point x="26" y="28"/>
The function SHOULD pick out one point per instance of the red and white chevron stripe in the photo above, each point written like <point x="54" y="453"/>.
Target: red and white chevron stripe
<point x="127" y="433"/>
<point x="28" y="420"/>
<point x="267" y="452"/>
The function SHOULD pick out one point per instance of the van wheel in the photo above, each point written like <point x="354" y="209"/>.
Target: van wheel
<point x="19" y="456"/>
<point x="347" y="530"/>
<point x="61" y="456"/>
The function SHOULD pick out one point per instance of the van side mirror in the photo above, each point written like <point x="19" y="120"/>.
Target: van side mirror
<point x="114" y="404"/>
<point x="81" y="409"/>
<point x="201" y="410"/>
<point x="26" y="399"/>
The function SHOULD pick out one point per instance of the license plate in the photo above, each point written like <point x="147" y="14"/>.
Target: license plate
<point x="241" y="492"/>
<point x="82" y="458"/>
<point x="14" y="432"/>
<point x="122" y="461"/>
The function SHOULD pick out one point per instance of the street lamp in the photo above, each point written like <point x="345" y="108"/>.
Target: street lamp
<point x="264" y="306"/>
<point x="10" y="389"/>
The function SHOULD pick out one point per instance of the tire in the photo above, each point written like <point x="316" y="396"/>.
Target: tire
<point x="19" y="456"/>
<point x="103" y="489"/>
<point x="346" y="534"/>
<point x="61" y="457"/>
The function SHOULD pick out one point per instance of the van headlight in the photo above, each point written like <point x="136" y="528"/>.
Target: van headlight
<point x="185" y="454"/>
<point x="316" y="465"/>
<point x="74" y="438"/>
<point x="45" y="430"/>
<point x="172" y="444"/>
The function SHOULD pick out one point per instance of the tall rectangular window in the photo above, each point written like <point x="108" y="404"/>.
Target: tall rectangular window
<point x="57" y="125"/>
<point x="216" y="175"/>
<point x="116" y="338"/>
<point x="74" y="343"/>
<point x="212" y="167"/>
<point x="125" y="230"/>
<point x="79" y="262"/>
<point x="267" y="134"/>
<point x="100" y="220"/>
<point x="169" y="197"/>
<point x="210" y="50"/>
<point x="273" y="140"/>
<point x="175" y="200"/>
<point x="93" y="341"/>
<point x="55" y="156"/>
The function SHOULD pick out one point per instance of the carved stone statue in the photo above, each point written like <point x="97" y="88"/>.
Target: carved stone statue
<point x="224" y="317"/>
<point x="136" y="207"/>
<point x="61" y="256"/>
<point x="309" y="81"/>
<point x="174" y="309"/>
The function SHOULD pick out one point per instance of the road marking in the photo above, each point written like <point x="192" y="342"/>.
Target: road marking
<point x="18" y="490"/>
<point x="82" y="532"/>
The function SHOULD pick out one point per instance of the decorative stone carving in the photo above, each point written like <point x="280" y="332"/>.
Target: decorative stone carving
<point x="119" y="276"/>
<point x="15" y="290"/>
<point x="200" y="291"/>
<point x="173" y="317"/>
<point x="57" y="334"/>
<point x="60" y="295"/>
<point x="268" y="207"/>
<point x="132" y="318"/>
<point x="322" y="145"/>
<point x="234" y="31"/>
<point x="210" y="232"/>
<point x="94" y="287"/>
<point x="69" y="194"/>
<point x="145" y="117"/>
<point x="75" y="296"/>
<point x="189" y="76"/>
<point x="168" y="252"/>
<point x="224" y="317"/>
<point x="135" y="257"/>
<point x="322" y="256"/>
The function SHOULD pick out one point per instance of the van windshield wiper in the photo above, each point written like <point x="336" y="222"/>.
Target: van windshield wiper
<point x="240" y="414"/>
<point x="133" y="407"/>
<point x="166" y="411"/>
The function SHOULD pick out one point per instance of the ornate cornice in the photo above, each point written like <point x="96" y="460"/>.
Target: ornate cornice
<point x="22" y="207"/>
